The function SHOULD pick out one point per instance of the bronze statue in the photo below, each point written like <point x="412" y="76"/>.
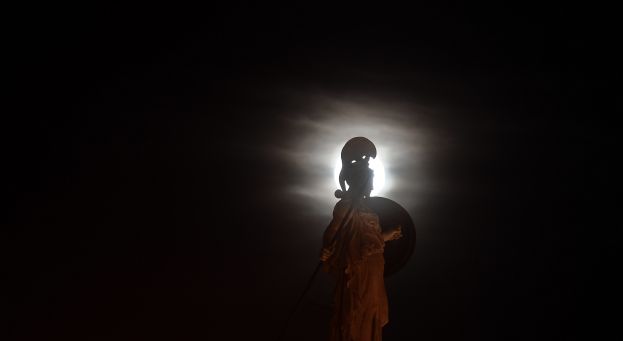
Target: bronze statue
<point x="368" y="239"/>
<point x="353" y="250"/>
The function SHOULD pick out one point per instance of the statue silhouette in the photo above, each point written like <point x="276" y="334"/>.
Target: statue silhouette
<point x="368" y="239"/>
<point x="352" y="253"/>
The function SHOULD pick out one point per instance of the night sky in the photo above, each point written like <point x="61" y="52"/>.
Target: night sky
<point x="169" y="170"/>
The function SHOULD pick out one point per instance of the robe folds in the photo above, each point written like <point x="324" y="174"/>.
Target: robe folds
<point x="360" y="308"/>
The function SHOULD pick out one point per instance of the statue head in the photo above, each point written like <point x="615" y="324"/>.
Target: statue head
<point x="356" y="172"/>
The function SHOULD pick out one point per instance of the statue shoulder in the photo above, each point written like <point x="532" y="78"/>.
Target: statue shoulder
<point x="341" y="207"/>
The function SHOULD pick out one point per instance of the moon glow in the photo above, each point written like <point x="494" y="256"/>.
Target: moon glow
<point x="378" y="183"/>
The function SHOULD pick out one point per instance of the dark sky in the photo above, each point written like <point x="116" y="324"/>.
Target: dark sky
<point x="158" y="158"/>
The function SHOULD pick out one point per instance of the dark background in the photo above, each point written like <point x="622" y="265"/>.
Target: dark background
<point x="137" y="211"/>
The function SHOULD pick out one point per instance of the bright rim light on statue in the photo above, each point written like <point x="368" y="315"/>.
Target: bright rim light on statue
<point x="379" y="175"/>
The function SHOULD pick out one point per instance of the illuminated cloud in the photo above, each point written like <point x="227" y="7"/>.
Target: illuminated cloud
<point x="324" y="127"/>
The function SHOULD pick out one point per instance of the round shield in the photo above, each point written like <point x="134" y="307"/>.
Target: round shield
<point x="391" y="214"/>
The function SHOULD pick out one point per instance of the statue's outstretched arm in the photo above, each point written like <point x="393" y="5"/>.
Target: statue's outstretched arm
<point x="393" y="234"/>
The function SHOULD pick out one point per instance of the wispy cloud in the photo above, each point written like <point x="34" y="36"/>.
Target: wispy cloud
<point x="403" y="143"/>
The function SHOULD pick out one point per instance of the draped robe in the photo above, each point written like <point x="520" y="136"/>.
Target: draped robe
<point x="360" y="308"/>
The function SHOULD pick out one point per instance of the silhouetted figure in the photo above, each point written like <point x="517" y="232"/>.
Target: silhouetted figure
<point x="353" y="251"/>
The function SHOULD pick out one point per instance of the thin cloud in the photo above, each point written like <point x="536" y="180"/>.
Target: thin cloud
<point x="403" y="145"/>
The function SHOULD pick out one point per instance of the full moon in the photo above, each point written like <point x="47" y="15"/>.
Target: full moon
<point x="379" y="175"/>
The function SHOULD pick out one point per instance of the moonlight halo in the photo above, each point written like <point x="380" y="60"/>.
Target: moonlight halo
<point x="328" y="123"/>
<point x="378" y="183"/>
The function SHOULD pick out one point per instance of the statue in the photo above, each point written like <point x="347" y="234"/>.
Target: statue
<point x="368" y="239"/>
<point x="353" y="249"/>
